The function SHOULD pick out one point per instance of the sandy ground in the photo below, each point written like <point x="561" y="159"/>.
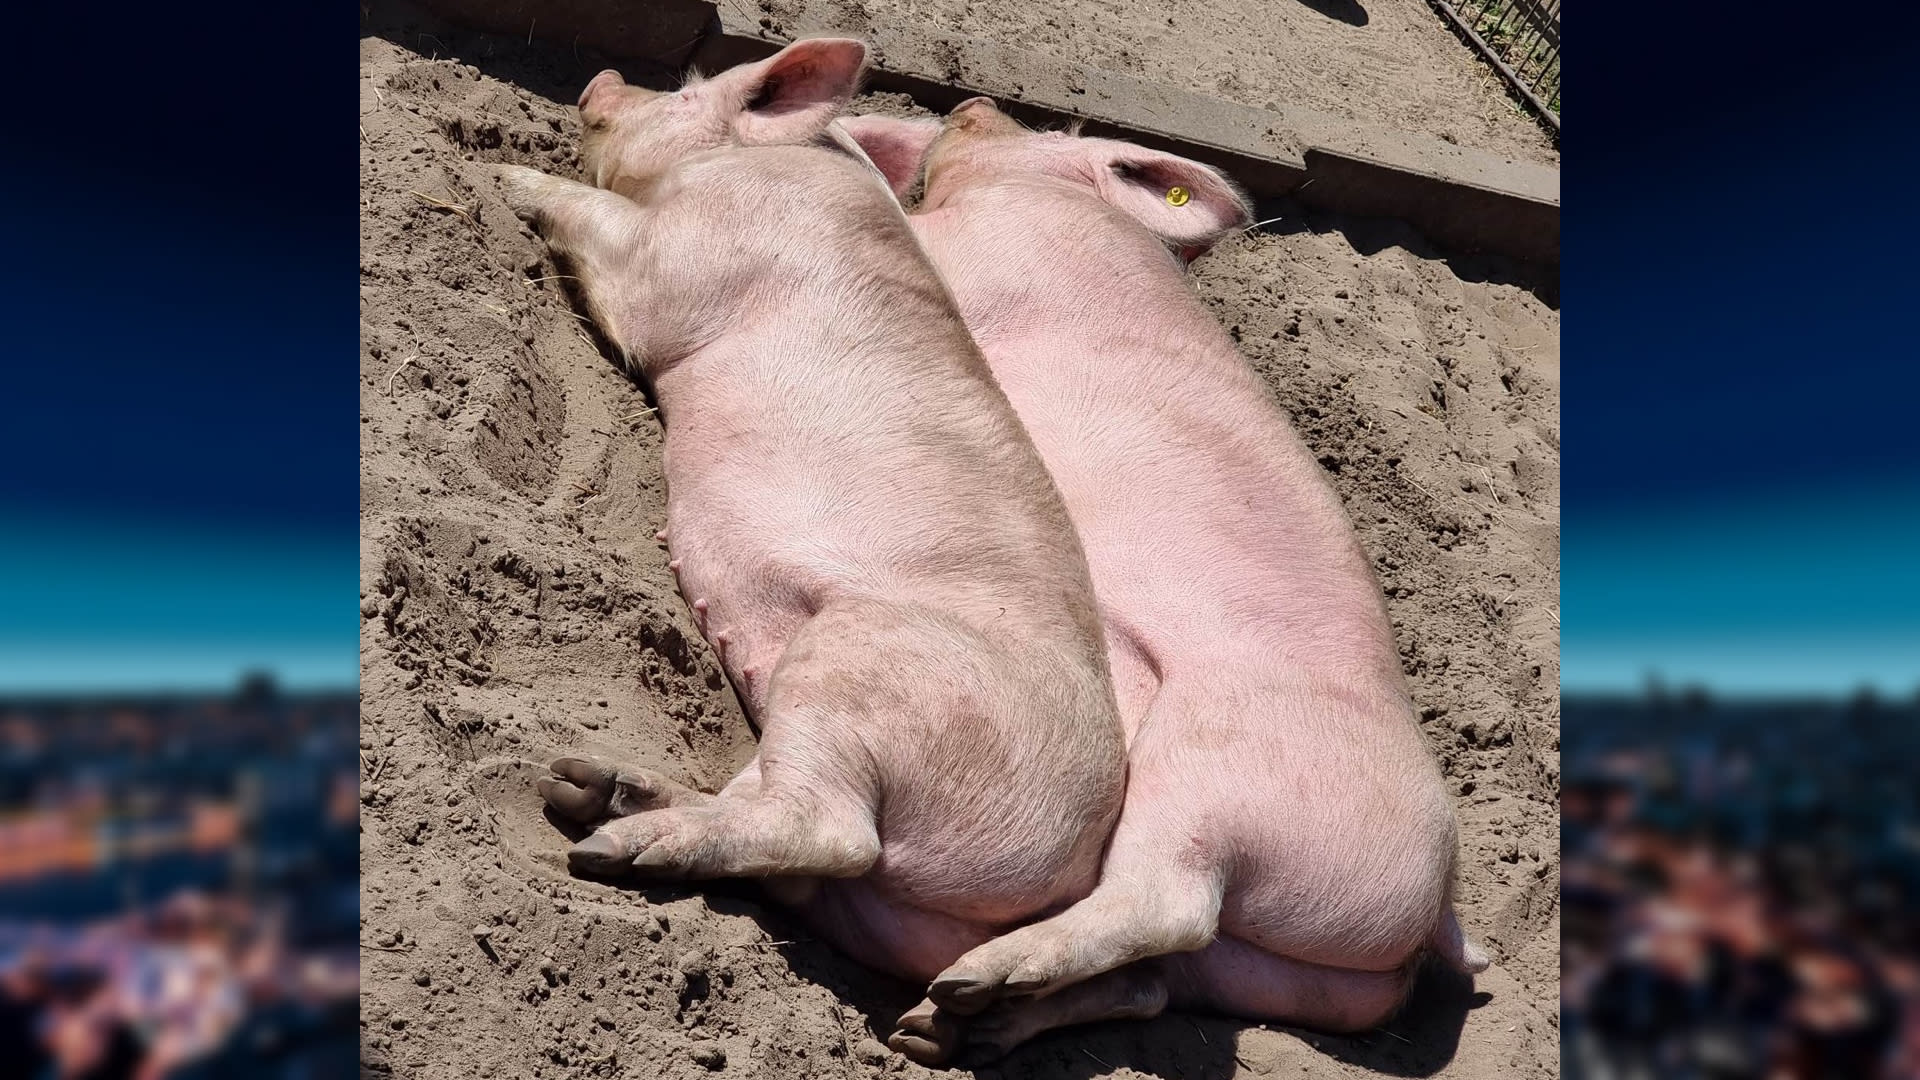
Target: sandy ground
<point x="515" y="606"/>
<point x="1382" y="63"/>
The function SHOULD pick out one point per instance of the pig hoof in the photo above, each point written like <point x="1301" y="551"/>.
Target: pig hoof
<point x="927" y="1035"/>
<point x="991" y="1036"/>
<point x="1019" y="985"/>
<point x="917" y="1049"/>
<point x="571" y="800"/>
<point x="659" y="862"/>
<point x="522" y="187"/>
<point x="589" y="790"/>
<point x="962" y="994"/>
<point x="599" y="854"/>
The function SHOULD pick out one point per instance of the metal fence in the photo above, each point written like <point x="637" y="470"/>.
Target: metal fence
<point x="1521" y="39"/>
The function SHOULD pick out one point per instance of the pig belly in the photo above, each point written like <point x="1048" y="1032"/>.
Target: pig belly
<point x="889" y="934"/>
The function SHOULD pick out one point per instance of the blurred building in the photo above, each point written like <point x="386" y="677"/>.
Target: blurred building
<point x="179" y="884"/>
<point x="1739" y="888"/>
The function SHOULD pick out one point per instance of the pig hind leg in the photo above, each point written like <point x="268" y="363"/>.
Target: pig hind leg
<point x="807" y="810"/>
<point x="592" y="789"/>
<point x="1151" y="901"/>
<point x="1233" y="977"/>
<point x="932" y="1036"/>
<point x="1229" y="977"/>
<point x="801" y="821"/>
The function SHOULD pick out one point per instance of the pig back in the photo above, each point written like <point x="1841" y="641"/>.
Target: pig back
<point x="842" y="425"/>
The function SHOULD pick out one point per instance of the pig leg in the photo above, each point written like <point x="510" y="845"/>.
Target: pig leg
<point x="932" y="1036"/>
<point x="591" y="790"/>
<point x="1233" y="977"/>
<point x="1159" y="893"/>
<point x="1228" y="976"/>
<point x="592" y="229"/>
<point x="803" y="822"/>
<point x="813" y="813"/>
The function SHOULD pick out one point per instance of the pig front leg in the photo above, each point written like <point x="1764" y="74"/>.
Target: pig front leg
<point x="593" y="230"/>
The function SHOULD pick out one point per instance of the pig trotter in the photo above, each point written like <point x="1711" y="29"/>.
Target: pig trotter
<point x="727" y="838"/>
<point x="591" y="790"/>
<point x="927" y="1034"/>
<point x="527" y="190"/>
<point x="1137" y="992"/>
<point x="1128" y="918"/>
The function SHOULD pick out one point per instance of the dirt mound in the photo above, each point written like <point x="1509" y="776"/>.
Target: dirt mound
<point x="515" y="605"/>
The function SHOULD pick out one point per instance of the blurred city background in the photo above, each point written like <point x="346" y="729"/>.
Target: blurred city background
<point x="179" y="507"/>
<point x="1741" y="598"/>
<point x="179" y="884"/>
<point x="1739" y="882"/>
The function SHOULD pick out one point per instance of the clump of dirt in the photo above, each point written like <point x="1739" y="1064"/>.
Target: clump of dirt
<point x="515" y="606"/>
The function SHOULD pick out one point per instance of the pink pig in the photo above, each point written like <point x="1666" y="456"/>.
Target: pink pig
<point x="869" y="537"/>
<point x="1287" y="847"/>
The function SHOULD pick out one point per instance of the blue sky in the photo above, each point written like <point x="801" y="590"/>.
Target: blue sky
<point x="1741" y="479"/>
<point x="138" y="604"/>
<point x="191" y="512"/>
<point x="178" y="484"/>
<point x="1802" y="590"/>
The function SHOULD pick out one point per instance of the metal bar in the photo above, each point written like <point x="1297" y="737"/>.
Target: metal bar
<point x="1522" y="64"/>
<point x="1513" y="77"/>
<point x="1526" y="55"/>
<point x="1547" y="67"/>
<point x="1537" y="46"/>
<point x="1501" y="24"/>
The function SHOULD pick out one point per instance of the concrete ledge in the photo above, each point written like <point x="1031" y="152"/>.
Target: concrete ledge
<point x="1041" y="93"/>
<point x="665" y="32"/>
<point x="1464" y="200"/>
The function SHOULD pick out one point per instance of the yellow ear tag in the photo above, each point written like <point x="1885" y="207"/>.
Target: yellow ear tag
<point x="1177" y="196"/>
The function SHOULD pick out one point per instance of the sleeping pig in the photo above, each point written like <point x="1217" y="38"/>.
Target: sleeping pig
<point x="864" y="530"/>
<point x="1286" y="851"/>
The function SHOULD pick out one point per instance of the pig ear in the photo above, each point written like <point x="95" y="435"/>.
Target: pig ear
<point x="1187" y="204"/>
<point x="898" y="147"/>
<point x="796" y="93"/>
<point x="593" y="112"/>
<point x="603" y="81"/>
